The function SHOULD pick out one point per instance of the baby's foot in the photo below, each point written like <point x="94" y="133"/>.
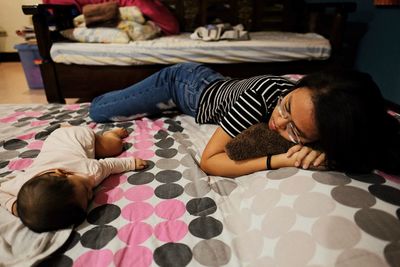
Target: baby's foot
<point x="120" y="132"/>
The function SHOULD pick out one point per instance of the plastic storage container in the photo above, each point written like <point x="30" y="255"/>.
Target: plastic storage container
<point x="30" y="59"/>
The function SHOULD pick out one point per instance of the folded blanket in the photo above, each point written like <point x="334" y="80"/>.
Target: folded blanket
<point x="101" y="15"/>
<point x="223" y="31"/>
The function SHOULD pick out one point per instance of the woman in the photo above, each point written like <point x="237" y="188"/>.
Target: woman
<point x="342" y="111"/>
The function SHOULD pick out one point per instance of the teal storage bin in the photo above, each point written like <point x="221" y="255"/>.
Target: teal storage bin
<point x="30" y="59"/>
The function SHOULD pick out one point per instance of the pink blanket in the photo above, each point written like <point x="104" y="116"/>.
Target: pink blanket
<point x="154" y="10"/>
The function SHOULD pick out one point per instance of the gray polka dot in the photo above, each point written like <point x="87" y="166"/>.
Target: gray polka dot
<point x="392" y="253"/>
<point x="265" y="200"/>
<point x="168" y="191"/>
<point x="167" y="164"/>
<point x="224" y="187"/>
<point x="248" y="245"/>
<point x="314" y="204"/>
<point x="238" y="222"/>
<point x="193" y="174"/>
<point x="185" y="143"/>
<point x="141" y="178"/>
<point x="300" y="246"/>
<point x="296" y="185"/>
<point x="331" y="178"/>
<point x="188" y="161"/>
<point x="212" y="252"/>
<point x="282" y="173"/>
<point x="378" y="223"/>
<point x="180" y="136"/>
<point x="264" y="262"/>
<point x="30" y="153"/>
<point x="197" y="189"/>
<point x="353" y="197"/>
<point x="343" y="233"/>
<point x="21" y="123"/>
<point x="278" y="221"/>
<point x="168" y="176"/>
<point x="166" y="153"/>
<point x="358" y="258"/>
<point x="9" y="154"/>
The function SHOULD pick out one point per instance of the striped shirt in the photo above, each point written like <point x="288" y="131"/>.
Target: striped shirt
<point x="237" y="104"/>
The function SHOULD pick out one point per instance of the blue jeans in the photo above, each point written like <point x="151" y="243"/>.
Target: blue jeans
<point x="181" y="84"/>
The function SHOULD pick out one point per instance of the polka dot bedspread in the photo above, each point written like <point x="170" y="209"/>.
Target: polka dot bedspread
<point x="173" y="214"/>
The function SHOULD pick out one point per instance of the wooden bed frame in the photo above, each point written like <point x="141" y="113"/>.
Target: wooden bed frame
<point x="85" y="82"/>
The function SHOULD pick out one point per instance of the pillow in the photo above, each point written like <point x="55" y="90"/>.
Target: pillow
<point x="96" y="35"/>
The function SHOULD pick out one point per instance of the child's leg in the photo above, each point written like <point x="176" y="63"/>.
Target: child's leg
<point x="110" y="143"/>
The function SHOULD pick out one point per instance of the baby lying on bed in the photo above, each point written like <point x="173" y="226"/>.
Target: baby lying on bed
<point x="54" y="192"/>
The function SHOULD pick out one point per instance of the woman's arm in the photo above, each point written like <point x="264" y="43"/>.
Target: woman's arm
<point x="215" y="161"/>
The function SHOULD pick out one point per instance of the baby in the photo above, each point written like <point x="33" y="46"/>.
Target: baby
<point x="54" y="192"/>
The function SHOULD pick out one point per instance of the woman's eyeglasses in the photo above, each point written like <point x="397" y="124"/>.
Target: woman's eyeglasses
<point x="290" y="127"/>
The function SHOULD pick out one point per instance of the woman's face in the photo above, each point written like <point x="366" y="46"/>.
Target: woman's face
<point x="294" y="118"/>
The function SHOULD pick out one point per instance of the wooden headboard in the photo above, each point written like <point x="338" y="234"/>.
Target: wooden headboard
<point x="86" y="82"/>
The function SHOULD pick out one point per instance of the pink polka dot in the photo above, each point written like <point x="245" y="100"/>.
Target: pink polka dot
<point x="72" y="107"/>
<point x="20" y="164"/>
<point x="8" y="119"/>
<point x="114" y="180"/>
<point x="39" y="123"/>
<point x="133" y="256"/>
<point x="135" y="233"/>
<point x="170" y="231"/>
<point x="157" y="125"/>
<point x="108" y="195"/>
<point x="143" y="136"/>
<point x="26" y="136"/>
<point x="143" y="144"/>
<point x="33" y="113"/>
<point x="98" y="258"/>
<point x="170" y="209"/>
<point x="137" y="211"/>
<point x="142" y="126"/>
<point x="143" y="154"/>
<point x="36" y="144"/>
<point x="139" y="193"/>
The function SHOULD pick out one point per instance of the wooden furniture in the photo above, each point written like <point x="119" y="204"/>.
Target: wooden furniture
<point x="85" y="82"/>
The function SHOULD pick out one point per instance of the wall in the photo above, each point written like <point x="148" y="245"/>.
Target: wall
<point x="12" y="19"/>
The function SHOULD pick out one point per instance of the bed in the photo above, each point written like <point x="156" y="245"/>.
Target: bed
<point x="66" y="75"/>
<point x="173" y="214"/>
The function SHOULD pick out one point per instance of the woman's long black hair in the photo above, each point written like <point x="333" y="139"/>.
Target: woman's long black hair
<point x="355" y="130"/>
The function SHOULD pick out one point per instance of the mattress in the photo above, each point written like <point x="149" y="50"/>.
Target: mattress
<point x="173" y="214"/>
<point x="263" y="47"/>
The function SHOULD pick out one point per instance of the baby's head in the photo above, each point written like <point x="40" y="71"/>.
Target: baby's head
<point x="54" y="200"/>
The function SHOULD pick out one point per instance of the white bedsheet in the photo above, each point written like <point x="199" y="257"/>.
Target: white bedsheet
<point x="263" y="47"/>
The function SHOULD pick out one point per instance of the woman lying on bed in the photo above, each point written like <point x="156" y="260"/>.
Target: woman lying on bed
<point x="341" y="110"/>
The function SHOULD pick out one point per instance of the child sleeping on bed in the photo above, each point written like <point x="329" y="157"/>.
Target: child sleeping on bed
<point x="54" y="192"/>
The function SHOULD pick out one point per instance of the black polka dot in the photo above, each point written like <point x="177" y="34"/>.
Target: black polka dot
<point x="141" y="178"/>
<point x="63" y="117"/>
<point x="72" y="240"/>
<point x="76" y="122"/>
<point x="175" y="128"/>
<point x="168" y="176"/>
<point x="29" y="154"/>
<point x="56" y="260"/>
<point x="392" y="253"/>
<point x="161" y="134"/>
<point x="165" y="143"/>
<point x="98" y="237"/>
<point x="201" y="206"/>
<point x="25" y="119"/>
<point x="166" y="153"/>
<point x="103" y="214"/>
<point x="386" y="193"/>
<point x="83" y="111"/>
<point x="205" y="227"/>
<point x="370" y="178"/>
<point x="14" y="144"/>
<point x="4" y="174"/>
<point x="126" y="146"/>
<point x="45" y="117"/>
<point x="3" y="164"/>
<point x="53" y="127"/>
<point x="42" y="135"/>
<point x="168" y="191"/>
<point x="398" y="213"/>
<point x="20" y="124"/>
<point x="173" y="255"/>
<point x="124" y="124"/>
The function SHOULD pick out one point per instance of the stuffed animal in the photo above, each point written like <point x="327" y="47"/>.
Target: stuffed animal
<point x="256" y="141"/>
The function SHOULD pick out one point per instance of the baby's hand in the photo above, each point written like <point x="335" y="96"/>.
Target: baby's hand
<point x="140" y="164"/>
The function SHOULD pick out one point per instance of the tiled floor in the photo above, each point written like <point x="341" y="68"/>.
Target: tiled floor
<point x="14" y="88"/>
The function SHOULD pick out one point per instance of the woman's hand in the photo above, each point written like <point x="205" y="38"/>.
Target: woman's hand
<point x="305" y="157"/>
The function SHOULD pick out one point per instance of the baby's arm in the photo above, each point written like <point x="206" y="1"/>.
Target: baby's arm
<point x="8" y="201"/>
<point x="110" y="166"/>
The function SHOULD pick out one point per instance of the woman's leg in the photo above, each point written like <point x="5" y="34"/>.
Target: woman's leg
<point x="182" y="84"/>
